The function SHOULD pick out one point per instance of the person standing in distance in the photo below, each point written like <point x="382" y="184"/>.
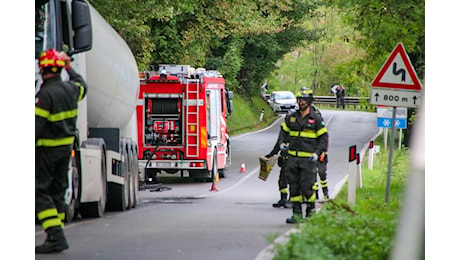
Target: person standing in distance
<point x="55" y="130"/>
<point x="305" y="137"/>
<point x="340" y="92"/>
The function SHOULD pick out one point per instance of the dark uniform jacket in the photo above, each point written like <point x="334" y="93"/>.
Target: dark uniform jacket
<point x="56" y="110"/>
<point x="305" y="136"/>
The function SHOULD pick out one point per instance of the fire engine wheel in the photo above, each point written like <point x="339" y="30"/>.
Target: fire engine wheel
<point x="223" y="172"/>
<point x="97" y="209"/>
<point x="214" y="170"/>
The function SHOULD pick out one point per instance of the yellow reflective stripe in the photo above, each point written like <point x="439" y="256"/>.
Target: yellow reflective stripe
<point x="285" y="190"/>
<point x="300" y="153"/>
<point x="41" y="112"/>
<point x="312" y="198"/>
<point x="82" y="91"/>
<point x="54" y="222"/>
<point x="308" y="134"/>
<point x="294" y="133"/>
<point x="324" y="184"/>
<point x="316" y="186"/>
<point x="63" y="115"/>
<point x="52" y="212"/>
<point x="52" y="61"/>
<point x="321" y="131"/>
<point x="61" y="215"/>
<point x="284" y="127"/>
<point x="296" y="198"/>
<point x="55" y="142"/>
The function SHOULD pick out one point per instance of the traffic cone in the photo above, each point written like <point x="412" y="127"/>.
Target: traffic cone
<point x="243" y="167"/>
<point x="213" y="186"/>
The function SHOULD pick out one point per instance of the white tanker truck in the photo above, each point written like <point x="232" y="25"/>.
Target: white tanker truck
<point x="103" y="172"/>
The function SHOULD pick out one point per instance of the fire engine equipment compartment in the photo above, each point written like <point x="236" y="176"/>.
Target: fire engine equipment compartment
<point x="162" y="121"/>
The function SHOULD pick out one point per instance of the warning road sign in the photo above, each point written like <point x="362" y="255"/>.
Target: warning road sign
<point x="397" y="72"/>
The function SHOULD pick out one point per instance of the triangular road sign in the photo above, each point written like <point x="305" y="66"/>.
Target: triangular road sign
<point x="397" y="72"/>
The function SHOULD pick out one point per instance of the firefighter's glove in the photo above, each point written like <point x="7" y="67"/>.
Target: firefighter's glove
<point x="284" y="147"/>
<point x="314" y="157"/>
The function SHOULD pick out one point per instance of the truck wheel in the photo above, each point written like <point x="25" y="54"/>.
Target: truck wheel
<point x="135" y="177"/>
<point x="119" y="194"/>
<point x="97" y="209"/>
<point x="131" y="180"/>
<point x="70" y="209"/>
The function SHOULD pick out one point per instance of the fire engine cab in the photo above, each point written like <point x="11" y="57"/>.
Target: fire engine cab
<point x="182" y="126"/>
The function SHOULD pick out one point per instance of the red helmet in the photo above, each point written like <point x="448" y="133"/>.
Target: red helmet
<point x="51" y="58"/>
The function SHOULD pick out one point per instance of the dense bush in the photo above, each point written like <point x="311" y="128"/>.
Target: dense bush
<point x="361" y="231"/>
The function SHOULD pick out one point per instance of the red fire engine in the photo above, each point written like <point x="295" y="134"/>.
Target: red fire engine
<point x="182" y="126"/>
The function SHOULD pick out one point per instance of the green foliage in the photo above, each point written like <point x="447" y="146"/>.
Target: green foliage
<point x="362" y="231"/>
<point x="243" y="39"/>
<point x="382" y="24"/>
<point x="247" y="114"/>
<point x="286" y="43"/>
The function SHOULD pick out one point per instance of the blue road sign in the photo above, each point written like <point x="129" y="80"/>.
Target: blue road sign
<point x="386" y="122"/>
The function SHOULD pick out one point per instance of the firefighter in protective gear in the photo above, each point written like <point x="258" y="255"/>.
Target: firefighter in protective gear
<point x="322" y="168"/>
<point x="55" y="130"/>
<point x="321" y="163"/>
<point x="282" y="180"/>
<point x="305" y="134"/>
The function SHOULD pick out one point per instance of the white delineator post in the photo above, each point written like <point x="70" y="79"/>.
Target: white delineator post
<point x="352" y="175"/>
<point x="359" y="181"/>
<point x="370" y="160"/>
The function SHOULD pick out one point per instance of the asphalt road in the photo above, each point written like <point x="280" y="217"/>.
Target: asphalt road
<point x="191" y="222"/>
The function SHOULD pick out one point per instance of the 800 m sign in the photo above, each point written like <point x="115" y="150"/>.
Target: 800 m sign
<point x="395" y="98"/>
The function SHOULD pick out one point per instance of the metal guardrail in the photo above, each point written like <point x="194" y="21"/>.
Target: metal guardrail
<point x="349" y="101"/>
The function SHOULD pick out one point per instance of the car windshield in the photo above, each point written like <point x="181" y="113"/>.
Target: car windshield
<point x="286" y="95"/>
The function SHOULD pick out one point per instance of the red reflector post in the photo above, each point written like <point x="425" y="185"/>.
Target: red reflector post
<point x="371" y="145"/>
<point x="352" y="153"/>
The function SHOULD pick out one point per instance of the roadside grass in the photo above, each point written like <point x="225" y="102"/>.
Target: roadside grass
<point x="364" y="230"/>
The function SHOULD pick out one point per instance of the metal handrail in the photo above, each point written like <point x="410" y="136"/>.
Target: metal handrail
<point x="332" y="100"/>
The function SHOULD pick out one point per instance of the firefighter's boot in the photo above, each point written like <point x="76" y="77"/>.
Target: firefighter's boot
<point x="283" y="202"/>
<point x="55" y="241"/>
<point x="310" y="209"/>
<point x="325" y="193"/>
<point x="296" y="213"/>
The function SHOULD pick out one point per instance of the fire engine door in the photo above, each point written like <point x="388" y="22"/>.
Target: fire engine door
<point x="213" y="111"/>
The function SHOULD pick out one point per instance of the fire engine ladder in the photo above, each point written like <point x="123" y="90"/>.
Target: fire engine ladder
<point x="192" y="128"/>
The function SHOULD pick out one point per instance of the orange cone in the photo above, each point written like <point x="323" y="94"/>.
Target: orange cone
<point x="213" y="187"/>
<point x="243" y="167"/>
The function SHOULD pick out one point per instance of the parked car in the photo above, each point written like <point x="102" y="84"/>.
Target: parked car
<point x="282" y="101"/>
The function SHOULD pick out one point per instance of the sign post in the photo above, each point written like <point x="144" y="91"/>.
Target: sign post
<point x="396" y="85"/>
